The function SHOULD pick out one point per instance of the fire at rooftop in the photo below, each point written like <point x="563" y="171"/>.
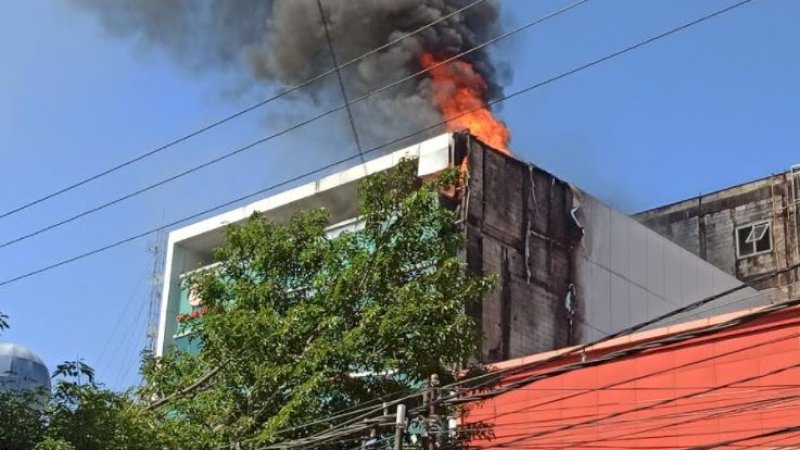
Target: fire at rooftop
<point x="460" y="93"/>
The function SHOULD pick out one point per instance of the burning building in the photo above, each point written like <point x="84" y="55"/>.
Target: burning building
<point x="571" y="269"/>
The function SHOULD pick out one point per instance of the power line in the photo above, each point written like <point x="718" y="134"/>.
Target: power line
<point x="285" y="182"/>
<point x="613" y="356"/>
<point x="433" y="126"/>
<point x="237" y="114"/>
<point x="599" y="420"/>
<point x="334" y="58"/>
<point x="772" y="404"/>
<point x="641" y="377"/>
<point x="606" y="358"/>
<point x="493" y="377"/>
<point x="301" y="124"/>
<point x="728" y="411"/>
<point x="776" y="432"/>
<point x="131" y="343"/>
<point x="665" y="341"/>
<point x="130" y="301"/>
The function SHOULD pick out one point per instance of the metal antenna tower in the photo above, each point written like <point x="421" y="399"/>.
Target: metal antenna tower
<point x="157" y="247"/>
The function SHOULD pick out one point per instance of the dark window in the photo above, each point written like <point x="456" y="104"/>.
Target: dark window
<point x="754" y="239"/>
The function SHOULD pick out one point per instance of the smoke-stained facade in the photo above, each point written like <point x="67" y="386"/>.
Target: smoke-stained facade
<point x="283" y="43"/>
<point x="747" y="230"/>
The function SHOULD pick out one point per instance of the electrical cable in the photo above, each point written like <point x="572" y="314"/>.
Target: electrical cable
<point x="517" y="93"/>
<point x="134" y="349"/>
<point x="433" y="126"/>
<point x="238" y="113"/>
<point x="648" y="345"/>
<point x="299" y="125"/>
<point x="625" y="352"/>
<point x="335" y="59"/>
<point x="123" y="313"/>
<point x="496" y="376"/>
<point x="703" y="416"/>
<point x="706" y="404"/>
<point x="641" y="408"/>
<point x="771" y="441"/>
<point x="638" y="378"/>
<point x="776" y="432"/>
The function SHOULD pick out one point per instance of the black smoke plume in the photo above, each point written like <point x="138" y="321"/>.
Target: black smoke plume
<point x="283" y="43"/>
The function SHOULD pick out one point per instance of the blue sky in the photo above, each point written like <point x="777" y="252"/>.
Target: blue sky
<point x="710" y="107"/>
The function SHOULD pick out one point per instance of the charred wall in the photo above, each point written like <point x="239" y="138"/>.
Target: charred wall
<point x="519" y="226"/>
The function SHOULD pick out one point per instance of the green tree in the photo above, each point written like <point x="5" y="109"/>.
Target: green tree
<point x="300" y="326"/>
<point x="81" y="415"/>
<point x="85" y="416"/>
<point x="21" y="426"/>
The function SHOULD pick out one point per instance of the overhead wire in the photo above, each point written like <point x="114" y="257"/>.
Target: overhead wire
<point x="468" y="112"/>
<point x="662" y="402"/>
<point x="653" y="344"/>
<point x="743" y="319"/>
<point x="728" y="412"/>
<point x="239" y="113"/>
<point x="123" y="313"/>
<point x="780" y="437"/>
<point x="516" y="93"/>
<point x="702" y="413"/>
<point x="392" y="142"/>
<point x="495" y="376"/>
<point x="134" y="351"/>
<point x="129" y="338"/>
<point x="775" y="432"/>
<point x="280" y="184"/>
<point x="638" y="378"/>
<point x="299" y="125"/>
<point x="577" y="441"/>
<point x="324" y="19"/>
<point x="619" y="354"/>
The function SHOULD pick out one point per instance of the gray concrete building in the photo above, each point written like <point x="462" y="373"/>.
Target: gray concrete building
<point x="746" y="230"/>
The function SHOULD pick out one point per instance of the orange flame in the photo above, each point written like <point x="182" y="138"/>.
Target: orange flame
<point x="460" y="94"/>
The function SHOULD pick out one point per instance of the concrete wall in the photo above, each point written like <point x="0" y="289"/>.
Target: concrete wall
<point x="706" y="226"/>
<point x="570" y="268"/>
<point x="627" y="273"/>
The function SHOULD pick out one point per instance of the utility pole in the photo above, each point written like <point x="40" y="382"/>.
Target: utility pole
<point x="433" y="383"/>
<point x="400" y="426"/>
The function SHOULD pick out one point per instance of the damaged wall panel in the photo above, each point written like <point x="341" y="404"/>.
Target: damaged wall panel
<point x="570" y="269"/>
<point x="519" y="227"/>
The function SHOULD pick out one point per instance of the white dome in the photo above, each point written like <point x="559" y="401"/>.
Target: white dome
<point x="22" y="370"/>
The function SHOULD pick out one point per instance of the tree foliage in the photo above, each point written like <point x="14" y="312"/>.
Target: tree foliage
<point x="81" y="415"/>
<point x="301" y="326"/>
<point x="297" y="325"/>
